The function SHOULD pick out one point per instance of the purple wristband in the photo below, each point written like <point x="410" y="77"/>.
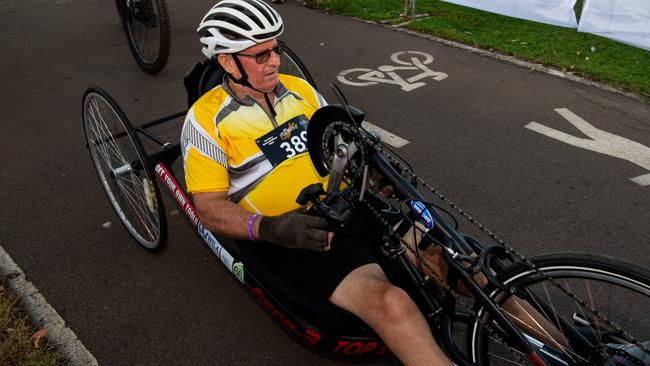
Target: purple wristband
<point x="251" y="221"/>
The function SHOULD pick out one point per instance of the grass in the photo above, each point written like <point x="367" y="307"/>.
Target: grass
<point x="581" y="54"/>
<point x="21" y="344"/>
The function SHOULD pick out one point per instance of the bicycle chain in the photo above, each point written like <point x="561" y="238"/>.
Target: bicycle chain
<point x="509" y="249"/>
<point x="622" y="353"/>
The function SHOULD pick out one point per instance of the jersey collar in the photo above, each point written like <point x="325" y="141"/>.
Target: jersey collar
<point x="280" y="91"/>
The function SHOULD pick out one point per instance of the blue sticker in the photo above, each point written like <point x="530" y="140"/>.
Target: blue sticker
<point x="424" y="215"/>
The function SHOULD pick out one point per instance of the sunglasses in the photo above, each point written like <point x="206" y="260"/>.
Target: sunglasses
<point x="263" y="56"/>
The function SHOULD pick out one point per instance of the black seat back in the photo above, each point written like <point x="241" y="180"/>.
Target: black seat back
<point x="207" y="74"/>
<point x="202" y="77"/>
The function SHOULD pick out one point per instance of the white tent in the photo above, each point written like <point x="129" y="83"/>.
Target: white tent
<point x="627" y="21"/>
<point x="556" y="12"/>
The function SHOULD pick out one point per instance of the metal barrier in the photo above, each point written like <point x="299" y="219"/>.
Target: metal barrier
<point x="409" y="4"/>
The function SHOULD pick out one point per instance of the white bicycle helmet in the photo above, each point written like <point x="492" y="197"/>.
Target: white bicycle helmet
<point x="235" y="25"/>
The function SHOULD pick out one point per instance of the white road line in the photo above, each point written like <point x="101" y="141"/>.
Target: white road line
<point x="388" y="137"/>
<point x="642" y="180"/>
<point x="599" y="141"/>
<point x="43" y="315"/>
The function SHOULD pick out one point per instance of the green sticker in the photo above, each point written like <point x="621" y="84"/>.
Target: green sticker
<point x="238" y="271"/>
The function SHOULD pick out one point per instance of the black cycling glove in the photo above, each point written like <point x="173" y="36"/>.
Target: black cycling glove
<point x="295" y="229"/>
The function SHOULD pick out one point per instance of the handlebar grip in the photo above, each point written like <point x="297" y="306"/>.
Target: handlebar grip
<point x="310" y="193"/>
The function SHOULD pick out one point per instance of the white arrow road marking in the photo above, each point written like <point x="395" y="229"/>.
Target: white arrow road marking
<point x="387" y="137"/>
<point x="642" y="180"/>
<point x="601" y="141"/>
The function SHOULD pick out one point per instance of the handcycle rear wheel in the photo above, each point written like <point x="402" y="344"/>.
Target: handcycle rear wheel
<point x="123" y="169"/>
<point x="291" y="64"/>
<point x="618" y="290"/>
<point x="146" y="23"/>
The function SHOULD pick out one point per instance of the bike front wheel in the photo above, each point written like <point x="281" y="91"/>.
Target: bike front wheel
<point x="146" y="23"/>
<point x="123" y="170"/>
<point x="602" y="321"/>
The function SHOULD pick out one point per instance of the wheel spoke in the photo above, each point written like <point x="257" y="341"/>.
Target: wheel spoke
<point x="146" y="38"/>
<point x="594" y="284"/>
<point x="110" y="140"/>
<point x="503" y="359"/>
<point x="141" y="218"/>
<point x="102" y="139"/>
<point x="136" y="205"/>
<point x="147" y="30"/>
<point x="127" y="189"/>
<point x="140" y="206"/>
<point x="106" y="149"/>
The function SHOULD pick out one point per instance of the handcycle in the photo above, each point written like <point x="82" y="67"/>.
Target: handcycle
<point x="572" y="292"/>
<point x="146" y="24"/>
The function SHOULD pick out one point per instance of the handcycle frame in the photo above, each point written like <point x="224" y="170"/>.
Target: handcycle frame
<point x="360" y="343"/>
<point x="439" y="308"/>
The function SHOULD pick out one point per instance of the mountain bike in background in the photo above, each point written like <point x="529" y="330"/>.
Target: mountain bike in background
<point x="146" y="24"/>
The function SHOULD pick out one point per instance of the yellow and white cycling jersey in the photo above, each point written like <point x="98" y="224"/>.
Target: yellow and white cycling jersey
<point x="233" y="145"/>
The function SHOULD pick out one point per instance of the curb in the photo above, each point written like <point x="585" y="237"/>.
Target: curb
<point x="43" y="315"/>
<point x="508" y="59"/>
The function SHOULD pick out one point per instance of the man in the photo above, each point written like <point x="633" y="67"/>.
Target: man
<point x="244" y="179"/>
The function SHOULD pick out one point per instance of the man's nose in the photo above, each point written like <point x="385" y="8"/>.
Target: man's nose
<point x="274" y="59"/>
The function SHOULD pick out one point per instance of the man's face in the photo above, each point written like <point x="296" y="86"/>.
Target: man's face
<point x="263" y="76"/>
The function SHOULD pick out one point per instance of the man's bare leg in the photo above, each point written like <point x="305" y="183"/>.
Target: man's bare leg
<point x="519" y="311"/>
<point x="367" y="293"/>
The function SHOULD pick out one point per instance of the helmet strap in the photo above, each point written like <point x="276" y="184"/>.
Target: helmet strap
<point x="243" y="80"/>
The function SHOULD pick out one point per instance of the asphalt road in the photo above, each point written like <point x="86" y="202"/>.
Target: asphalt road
<point x="180" y="307"/>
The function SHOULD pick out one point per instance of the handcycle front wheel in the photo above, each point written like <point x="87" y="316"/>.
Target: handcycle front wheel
<point x="617" y="290"/>
<point x="123" y="169"/>
<point x="147" y="27"/>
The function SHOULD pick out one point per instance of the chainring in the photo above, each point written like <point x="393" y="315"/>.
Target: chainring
<point x="330" y="127"/>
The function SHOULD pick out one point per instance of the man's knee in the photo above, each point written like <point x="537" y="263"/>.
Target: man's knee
<point x="367" y="293"/>
<point x="397" y="305"/>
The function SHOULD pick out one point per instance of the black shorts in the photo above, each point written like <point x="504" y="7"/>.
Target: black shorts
<point x="306" y="275"/>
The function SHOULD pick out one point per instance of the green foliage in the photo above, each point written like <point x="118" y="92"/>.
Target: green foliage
<point x="582" y="54"/>
<point x="366" y="9"/>
<point x="20" y="343"/>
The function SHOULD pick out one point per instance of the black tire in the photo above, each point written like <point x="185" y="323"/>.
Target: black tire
<point x="146" y="23"/>
<point x="618" y="290"/>
<point x="291" y="64"/>
<point x="123" y="170"/>
<point x="119" y="5"/>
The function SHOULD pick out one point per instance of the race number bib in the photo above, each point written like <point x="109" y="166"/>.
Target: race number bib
<point x="285" y="141"/>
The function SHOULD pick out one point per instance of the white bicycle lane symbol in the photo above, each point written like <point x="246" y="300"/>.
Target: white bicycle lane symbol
<point x="387" y="73"/>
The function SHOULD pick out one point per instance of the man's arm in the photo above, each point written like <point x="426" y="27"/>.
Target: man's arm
<point x="222" y="216"/>
<point x="295" y="229"/>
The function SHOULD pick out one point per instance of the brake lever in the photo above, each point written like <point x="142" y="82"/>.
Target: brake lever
<point x="335" y="207"/>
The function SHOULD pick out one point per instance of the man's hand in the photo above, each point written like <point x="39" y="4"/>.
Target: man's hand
<point x="295" y="229"/>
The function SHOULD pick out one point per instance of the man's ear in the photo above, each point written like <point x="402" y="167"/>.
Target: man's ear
<point x="226" y="61"/>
